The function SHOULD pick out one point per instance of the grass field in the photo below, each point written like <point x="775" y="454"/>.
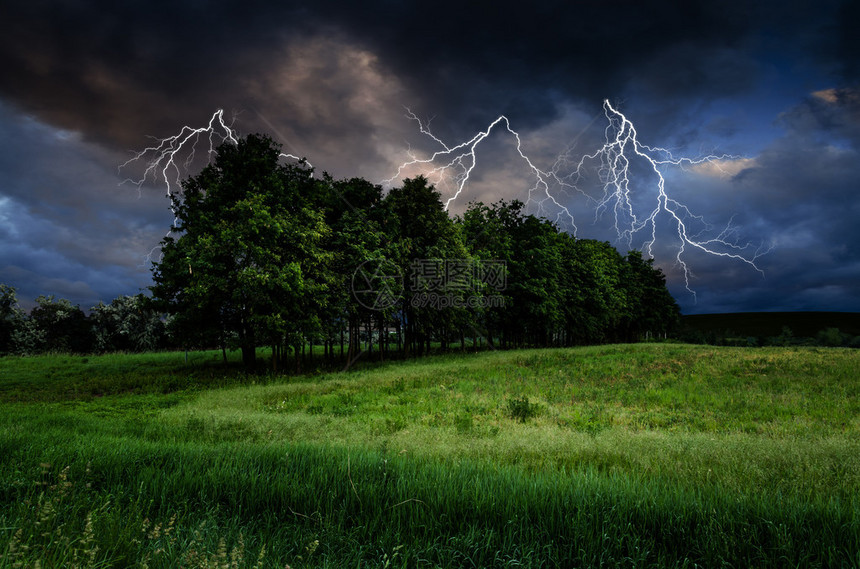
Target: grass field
<point x="647" y="455"/>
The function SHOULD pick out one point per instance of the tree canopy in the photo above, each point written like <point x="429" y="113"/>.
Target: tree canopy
<point x="263" y="253"/>
<point x="248" y="266"/>
<point x="266" y="253"/>
<point x="127" y="324"/>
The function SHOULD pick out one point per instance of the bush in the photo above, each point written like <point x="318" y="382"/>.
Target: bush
<point x="520" y="409"/>
<point x="831" y="337"/>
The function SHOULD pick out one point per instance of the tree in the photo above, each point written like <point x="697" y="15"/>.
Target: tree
<point x="533" y="283"/>
<point x="422" y="231"/>
<point x="359" y="223"/>
<point x="128" y="323"/>
<point x="651" y="309"/>
<point x="58" y="326"/>
<point x="600" y="300"/>
<point x="11" y="319"/>
<point x="530" y="249"/>
<point x="486" y="233"/>
<point x="262" y="253"/>
<point x="247" y="266"/>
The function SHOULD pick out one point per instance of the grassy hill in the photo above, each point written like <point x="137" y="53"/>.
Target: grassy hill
<point x="648" y="455"/>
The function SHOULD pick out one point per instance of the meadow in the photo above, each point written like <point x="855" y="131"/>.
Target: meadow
<point x="644" y="455"/>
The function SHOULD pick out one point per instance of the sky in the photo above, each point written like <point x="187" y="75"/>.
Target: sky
<point x="773" y="86"/>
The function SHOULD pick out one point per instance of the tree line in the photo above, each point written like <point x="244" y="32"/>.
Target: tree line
<point x="127" y="324"/>
<point x="264" y="253"/>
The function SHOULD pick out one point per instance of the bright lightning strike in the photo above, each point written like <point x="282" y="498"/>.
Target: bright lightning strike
<point x="452" y="165"/>
<point x="163" y="160"/>
<point x="171" y="158"/>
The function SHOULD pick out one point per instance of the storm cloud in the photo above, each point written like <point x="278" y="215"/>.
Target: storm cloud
<point x="774" y="84"/>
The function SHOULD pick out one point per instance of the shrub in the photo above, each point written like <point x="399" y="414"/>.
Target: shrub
<point x="520" y="409"/>
<point x="830" y="337"/>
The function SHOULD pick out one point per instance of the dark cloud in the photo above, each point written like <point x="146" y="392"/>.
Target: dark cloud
<point x="68" y="228"/>
<point x="832" y="116"/>
<point x="131" y="68"/>
<point x="83" y="83"/>
<point x="848" y="42"/>
<point x="800" y="194"/>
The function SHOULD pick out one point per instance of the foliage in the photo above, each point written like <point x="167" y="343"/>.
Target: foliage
<point x="263" y="253"/>
<point x="128" y="323"/>
<point x="56" y="326"/>
<point x="247" y="265"/>
<point x="422" y="231"/>
<point x="832" y="337"/>
<point x="563" y="290"/>
<point x="360" y="224"/>
<point x="11" y="319"/>
<point x="652" y="309"/>
<point x="521" y="409"/>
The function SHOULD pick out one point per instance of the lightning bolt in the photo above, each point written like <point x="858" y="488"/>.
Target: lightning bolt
<point x="171" y="158"/>
<point x="451" y="167"/>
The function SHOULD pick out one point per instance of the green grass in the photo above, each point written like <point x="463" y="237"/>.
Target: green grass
<point x="59" y="377"/>
<point x="622" y="456"/>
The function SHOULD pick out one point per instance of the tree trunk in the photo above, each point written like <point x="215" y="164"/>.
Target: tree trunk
<point x="400" y="334"/>
<point x="249" y="355"/>
<point x="383" y="341"/>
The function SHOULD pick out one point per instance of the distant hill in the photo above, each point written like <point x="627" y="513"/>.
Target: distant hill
<point x="765" y="324"/>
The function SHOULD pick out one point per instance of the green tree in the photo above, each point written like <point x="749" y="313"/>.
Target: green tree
<point x="128" y="323"/>
<point x="599" y="269"/>
<point x="532" y="312"/>
<point x="486" y="233"/>
<point x="651" y="309"/>
<point x="58" y="326"/>
<point x="11" y="318"/>
<point x="247" y="266"/>
<point x="360" y="233"/>
<point x="533" y="283"/>
<point x="423" y="235"/>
